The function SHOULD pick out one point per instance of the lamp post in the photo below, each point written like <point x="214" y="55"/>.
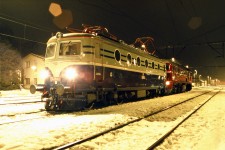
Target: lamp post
<point x="207" y="80"/>
<point x="195" y="74"/>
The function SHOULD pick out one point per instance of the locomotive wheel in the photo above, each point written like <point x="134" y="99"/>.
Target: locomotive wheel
<point x="162" y="92"/>
<point x="108" y="100"/>
<point x="174" y="90"/>
<point x="120" y="99"/>
<point x="189" y="87"/>
<point x="184" y="87"/>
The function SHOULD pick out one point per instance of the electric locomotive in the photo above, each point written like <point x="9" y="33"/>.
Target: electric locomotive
<point x="82" y="68"/>
<point x="178" y="77"/>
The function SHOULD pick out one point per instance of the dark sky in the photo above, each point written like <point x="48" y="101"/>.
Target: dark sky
<point x="192" y="31"/>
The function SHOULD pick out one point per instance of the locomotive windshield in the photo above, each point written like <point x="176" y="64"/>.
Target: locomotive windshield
<point x="70" y="48"/>
<point x="50" y="50"/>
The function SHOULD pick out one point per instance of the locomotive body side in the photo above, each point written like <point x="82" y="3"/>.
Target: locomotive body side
<point x="83" y="68"/>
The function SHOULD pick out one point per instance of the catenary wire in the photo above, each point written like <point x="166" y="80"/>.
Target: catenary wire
<point x="22" y="38"/>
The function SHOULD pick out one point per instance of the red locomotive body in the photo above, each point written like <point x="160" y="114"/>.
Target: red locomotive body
<point x="178" y="78"/>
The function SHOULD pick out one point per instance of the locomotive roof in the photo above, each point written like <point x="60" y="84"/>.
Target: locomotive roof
<point x="177" y="63"/>
<point x="70" y="35"/>
<point x="119" y="42"/>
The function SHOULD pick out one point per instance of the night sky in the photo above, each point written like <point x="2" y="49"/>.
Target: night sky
<point x="192" y="31"/>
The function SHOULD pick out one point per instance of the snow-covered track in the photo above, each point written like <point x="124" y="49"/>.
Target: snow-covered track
<point x="27" y="116"/>
<point x="163" y="137"/>
<point x="91" y="137"/>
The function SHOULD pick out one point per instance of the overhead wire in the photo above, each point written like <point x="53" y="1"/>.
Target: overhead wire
<point x="21" y="38"/>
<point x="117" y="11"/>
<point x="172" y="19"/>
<point x="184" y="8"/>
<point x="25" y="28"/>
<point x="98" y="6"/>
<point x="20" y="23"/>
<point x="193" y="7"/>
<point x="130" y="17"/>
<point x="203" y="34"/>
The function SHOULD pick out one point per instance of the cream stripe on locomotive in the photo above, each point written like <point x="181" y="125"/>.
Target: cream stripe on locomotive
<point x="123" y="58"/>
<point x="132" y="70"/>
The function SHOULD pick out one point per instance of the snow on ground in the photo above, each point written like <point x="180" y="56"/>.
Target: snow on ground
<point x="205" y="130"/>
<point x="15" y="93"/>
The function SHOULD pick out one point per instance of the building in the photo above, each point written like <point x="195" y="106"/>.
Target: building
<point x="32" y="65"/>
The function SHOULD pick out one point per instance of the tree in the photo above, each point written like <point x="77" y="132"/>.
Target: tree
<point x="10" y="66"/>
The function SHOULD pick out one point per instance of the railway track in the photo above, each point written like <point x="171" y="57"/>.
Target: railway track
<point x="22" y="113"/>
<point x="91" y="137"/>
<point x="28" y="116"/>
<point x="16" y="103"/>
<point x="19" y="109"/>
<point x="22" y="108"/>
<point x="163" y="137"/>
<point x="20" y="100"/>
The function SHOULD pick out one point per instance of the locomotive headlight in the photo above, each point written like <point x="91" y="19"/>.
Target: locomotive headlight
<point x="167" y="82"/>
<point x="44" y="74"/>
<point x="71" y="73"/>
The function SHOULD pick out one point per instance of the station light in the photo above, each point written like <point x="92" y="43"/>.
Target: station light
<point x="33" y="67"/>
<point x="173" y="59"/>
<point x="143" y="46"/>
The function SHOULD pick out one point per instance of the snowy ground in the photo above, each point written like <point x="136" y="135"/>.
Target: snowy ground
<point x="15" y="93"/>
<point x="205" y="130"/>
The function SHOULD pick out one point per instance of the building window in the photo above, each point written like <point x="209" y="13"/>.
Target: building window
<point x="27" y="64"/>
<point x="35" y="80"/>
<point x="27" y="80"/>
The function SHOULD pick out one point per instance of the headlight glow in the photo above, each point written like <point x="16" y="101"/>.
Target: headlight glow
<point x="167" y="82"/>
<point x="71" y="73"/>
<point x="44" y="74"/>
